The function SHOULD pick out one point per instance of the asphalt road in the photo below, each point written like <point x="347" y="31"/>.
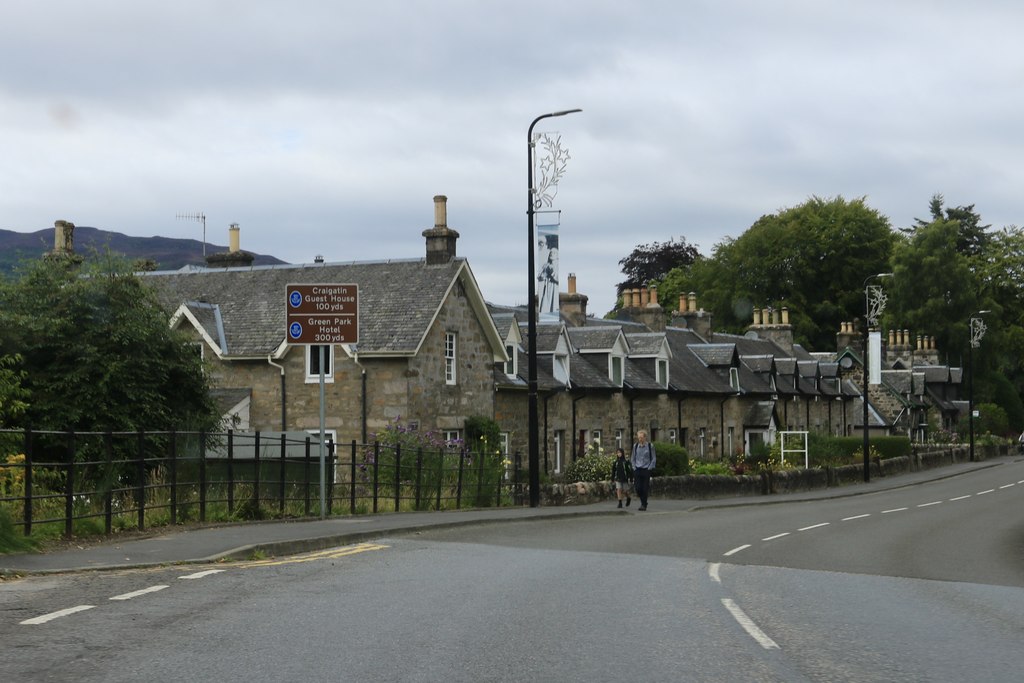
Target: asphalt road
<point x="922" y="583"/>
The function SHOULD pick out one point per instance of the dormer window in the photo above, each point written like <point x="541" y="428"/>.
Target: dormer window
<point x="511" y="365"/>
<point x="615" y="370"/>
<point x="734" y="378"/>
<point x="662" y="372"/>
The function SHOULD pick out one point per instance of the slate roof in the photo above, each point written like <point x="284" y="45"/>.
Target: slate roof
<point x="714" y="355"/>
<point x="645" y="343"/>
<point x="594" y="339"/>
<point x="686" y="371"/>
<point x="398" y="300"/>
<point x="759" y="414"/>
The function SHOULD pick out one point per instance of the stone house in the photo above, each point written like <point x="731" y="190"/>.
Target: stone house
<point x="426" y="349"/>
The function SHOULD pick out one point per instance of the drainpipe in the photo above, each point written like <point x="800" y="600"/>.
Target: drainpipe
<point x="355" y="359"/>
<point x="721" y="426"/>
<point x="632" y="427"/>
<point x="544" y="438"/>
<point x="679" y="420"/>
<point x="284" y="395"/>
<point x="575" y="435"/>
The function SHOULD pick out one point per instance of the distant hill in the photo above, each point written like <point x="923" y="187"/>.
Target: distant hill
<point x="167" y="252"/>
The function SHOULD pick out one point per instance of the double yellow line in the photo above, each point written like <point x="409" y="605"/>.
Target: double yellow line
<point x="331" y="554"/>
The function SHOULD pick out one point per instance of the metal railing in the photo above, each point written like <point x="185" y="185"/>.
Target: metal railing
<point x="99" y="482"/>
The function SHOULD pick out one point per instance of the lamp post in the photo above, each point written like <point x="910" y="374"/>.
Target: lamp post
<point x="874" y="304"/>
<point x="977" y="328"/>
<point x="531" y="328"/>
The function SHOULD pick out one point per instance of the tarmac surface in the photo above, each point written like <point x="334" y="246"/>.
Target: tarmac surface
<point x="203" y="544"/>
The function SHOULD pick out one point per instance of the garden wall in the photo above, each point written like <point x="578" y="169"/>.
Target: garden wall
<point x="704" y="487"/>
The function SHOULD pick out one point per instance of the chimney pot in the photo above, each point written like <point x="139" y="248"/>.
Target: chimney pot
<point x="233" y="238"/>
<point x="572" y="283"/>
<point x="440" y="211"/>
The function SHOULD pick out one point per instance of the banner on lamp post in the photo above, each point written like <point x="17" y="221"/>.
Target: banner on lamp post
<point x="874" y="357"/>
<point x="547" y="273"/>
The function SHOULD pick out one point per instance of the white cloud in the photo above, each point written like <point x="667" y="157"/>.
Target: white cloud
<point x="327" y="128"/>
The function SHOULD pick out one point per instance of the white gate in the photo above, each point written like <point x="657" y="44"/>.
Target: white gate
<point x="801" y="447"/>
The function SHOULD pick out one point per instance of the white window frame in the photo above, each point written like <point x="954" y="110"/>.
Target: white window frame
<point x="450" y="351"/>
<point x="662" y="372"/>
<point x="619" y="433"/>
<point x="512" y="364"/>
<point x="734" y="378"/>
<point x="616" y="363"/>
<point x="672" y="435"/>
<point x="329" y="356"/>
<point x="450" y="437"/>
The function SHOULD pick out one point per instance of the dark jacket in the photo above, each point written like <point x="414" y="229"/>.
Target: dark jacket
<point x="622" y="470"/>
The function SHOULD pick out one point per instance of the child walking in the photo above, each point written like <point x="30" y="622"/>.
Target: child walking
<point x="622" y="475"/>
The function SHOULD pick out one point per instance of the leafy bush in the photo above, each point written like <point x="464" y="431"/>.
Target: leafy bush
<point x="589" y="468"/>
<point x="710" y="468"/>
<point x="672" y="460"/>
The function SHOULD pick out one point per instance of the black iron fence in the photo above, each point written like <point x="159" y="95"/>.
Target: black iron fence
<point x="101" y="482"/>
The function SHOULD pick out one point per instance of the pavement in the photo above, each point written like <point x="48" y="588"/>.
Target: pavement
<point x="212" y="543"/>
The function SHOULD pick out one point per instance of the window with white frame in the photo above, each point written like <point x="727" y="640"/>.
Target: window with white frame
<point x="671" y="435"/>
<point x="511" y="365"/>
<point x="663" y="373"/>
<point x="313" y="363"/>
<point x="330" y="437"/>
<point x="734" y="378"/>
<point x="503" y="444"/>
<point x="453" y="439"/>
<point x="618" y="438"/>
<point x="449" y="358"/>
<point x="615" y="370"/>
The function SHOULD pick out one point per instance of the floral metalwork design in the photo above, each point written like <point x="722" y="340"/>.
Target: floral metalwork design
<point x="550" y="168"/>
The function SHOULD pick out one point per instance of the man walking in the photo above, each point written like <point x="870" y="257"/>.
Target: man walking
<point x="644" y="459"/>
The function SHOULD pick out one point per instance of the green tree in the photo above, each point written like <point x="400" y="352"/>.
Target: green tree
<point x="97" y="352"/>
<point x="972" y="238"/>
<point x="811" y="258"/>
<point x="935" y="288"/>
<point x="13" y="395"/>
<point x="651" y="262"/>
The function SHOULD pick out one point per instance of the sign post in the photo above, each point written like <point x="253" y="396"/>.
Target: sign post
<point x="322" y="314"/>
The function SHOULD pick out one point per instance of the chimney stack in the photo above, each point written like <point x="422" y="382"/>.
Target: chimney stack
<point x="572" y="305"/>
<point x="234" y="257"/>
<point x="440" y="239"/>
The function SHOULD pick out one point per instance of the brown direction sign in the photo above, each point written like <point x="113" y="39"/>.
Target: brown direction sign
<point x="322" y="314"/>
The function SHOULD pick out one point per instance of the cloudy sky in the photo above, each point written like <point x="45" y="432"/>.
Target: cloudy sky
<point x="327" y="126"/>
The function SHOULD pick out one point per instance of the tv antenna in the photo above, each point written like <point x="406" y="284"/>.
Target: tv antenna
<point x="200" y="218"/>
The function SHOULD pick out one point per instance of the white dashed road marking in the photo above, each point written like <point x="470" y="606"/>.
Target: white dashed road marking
<point x="982" y="493"/>
<point x="199" y="575"/>
<point x="135" y="594"/>
<point x="885" y="512"/>
<point x="925" y="505"/>
<point x="847" y="519"/>
<point x="814" y="526"/>
<point x="736" y="550"/>
<point x="713" y="572"/>
<point x="749" y="626"/>
<point x="57" y="615"/>
<point x="772" y="538"/>
<point x="959" y="498"/>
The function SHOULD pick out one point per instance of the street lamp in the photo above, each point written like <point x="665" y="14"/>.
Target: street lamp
<point x="874" y="304"/>
<point x="531" y="328"/>
<point x="977" y="328"/>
